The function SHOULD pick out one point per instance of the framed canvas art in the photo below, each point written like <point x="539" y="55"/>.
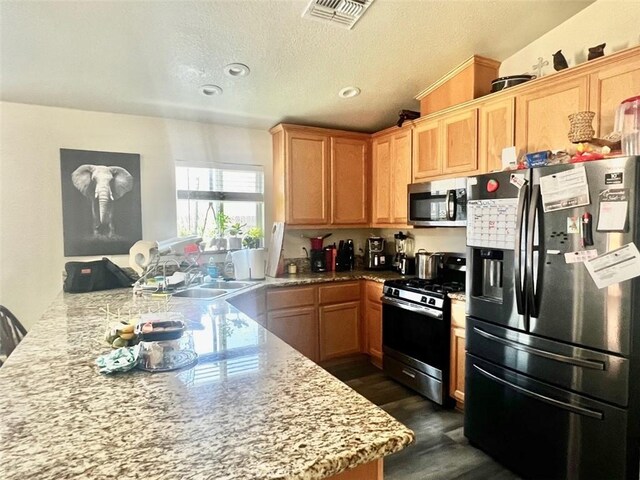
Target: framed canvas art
<point x="101" y="202"/>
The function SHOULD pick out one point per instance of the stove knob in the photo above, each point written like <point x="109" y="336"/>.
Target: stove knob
<point x="423" y="300"/>
<point x="396" y="293"/>
<point x="432" y="301"/>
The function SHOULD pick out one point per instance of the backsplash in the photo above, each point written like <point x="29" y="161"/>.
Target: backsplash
<point x="293" y="242"/>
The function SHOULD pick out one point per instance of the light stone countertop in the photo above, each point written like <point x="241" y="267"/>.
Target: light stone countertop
<point x="251" y="408"/>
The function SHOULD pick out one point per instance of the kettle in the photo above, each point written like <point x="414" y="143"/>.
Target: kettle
<point x="428" y="264"/>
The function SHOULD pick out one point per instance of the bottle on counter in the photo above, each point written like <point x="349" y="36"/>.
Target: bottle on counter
<point x="229" y="271"/>
<point x="212" y="269"/>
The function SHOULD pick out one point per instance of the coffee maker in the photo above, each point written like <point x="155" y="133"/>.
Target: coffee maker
<point x="318" y="255"/>
<point x="374" y="254"/>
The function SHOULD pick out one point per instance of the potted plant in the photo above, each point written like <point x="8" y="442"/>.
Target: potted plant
<point x="219" y="242"/>
<point x="235" y="236"/>
<point x="253" y="238"/>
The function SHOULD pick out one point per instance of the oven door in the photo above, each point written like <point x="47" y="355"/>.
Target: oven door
<point x="438" y="204"/>
<point x="416" y="335"/>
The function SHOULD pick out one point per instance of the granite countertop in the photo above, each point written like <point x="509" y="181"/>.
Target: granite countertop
<point x="251" y="408"/>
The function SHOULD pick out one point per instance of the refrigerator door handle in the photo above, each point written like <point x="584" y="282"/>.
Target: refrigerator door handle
<point x="543" y="398"/>
<point x="530" y="285"/>
<point x="578" y="362"/>
<point x="451" y="205"/>
<point x="522" y="204"/>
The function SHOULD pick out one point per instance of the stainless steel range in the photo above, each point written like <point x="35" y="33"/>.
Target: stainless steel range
<point x="416" y="326"/>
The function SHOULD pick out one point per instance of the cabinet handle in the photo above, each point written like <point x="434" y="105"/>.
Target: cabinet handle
<point x="408" y="373"/>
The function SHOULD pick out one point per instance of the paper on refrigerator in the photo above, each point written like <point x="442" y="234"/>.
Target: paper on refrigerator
<point x="563" y="190"/>
<point x="615" y="266"/>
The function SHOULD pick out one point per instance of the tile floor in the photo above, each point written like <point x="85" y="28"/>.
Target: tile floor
<point x="441" y="451"/>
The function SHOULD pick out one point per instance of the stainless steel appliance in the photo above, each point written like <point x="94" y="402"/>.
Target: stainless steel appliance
<point x="403" y="262"/>
<point x="441" y="203"/>
<point x="374" y="254"/>
<point x="416" y="323"/>
<point x="553" y="361"/>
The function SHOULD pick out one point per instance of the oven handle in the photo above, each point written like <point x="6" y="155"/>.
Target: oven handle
<point x="451" y="204"/>
<point x="426" y="311"/>
<point x="551" y="401"/>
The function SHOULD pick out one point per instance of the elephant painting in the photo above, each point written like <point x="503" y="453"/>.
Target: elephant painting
<point x="102" y="186"/>
<point x="101" y="202"/>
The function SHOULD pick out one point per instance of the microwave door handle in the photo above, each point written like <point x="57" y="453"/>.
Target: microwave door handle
<point x="518" y="264"/>
<point x="452" y="205"/>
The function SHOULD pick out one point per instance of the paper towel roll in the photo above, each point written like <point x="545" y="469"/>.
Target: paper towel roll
<point x="240" y="260"/>
<point x="141" y="254"/>
<point x="256" y="263"/>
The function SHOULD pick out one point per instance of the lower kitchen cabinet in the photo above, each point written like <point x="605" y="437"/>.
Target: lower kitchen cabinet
<point x="298" y="327"/>
<point x="373" y="322"/>
<point x="458" y="347"/>
<point x="339" y="330"/>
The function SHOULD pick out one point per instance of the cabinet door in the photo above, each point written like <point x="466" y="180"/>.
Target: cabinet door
<point x="401" y="154"/>
<point x="497" y="125"/>
<point x="427" y="155"/>
<point x="381" y="189"/>
<point x="373" y="319"/>
<point x="460" y="144"/>
<point x="349" y="167"/>
<point x="298" y="327"/>
<point x="610" y="85"/>
<point x="542" y="115"/>
<point x="339" y="330"/>
<point x="456" y="380"/>
<point x="307" y="178"/>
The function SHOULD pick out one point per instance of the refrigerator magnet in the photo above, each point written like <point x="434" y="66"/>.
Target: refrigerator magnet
<point x="613" y="210"/>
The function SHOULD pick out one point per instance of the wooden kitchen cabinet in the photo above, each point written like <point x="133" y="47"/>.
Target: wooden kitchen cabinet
<point x="458" y="352"/>
<point x="298" y="327"/>
<point x="373" y="322"/>
<point x="349" y="181"/>
<point x="391" y="173"/>
<point x="320" y="176"/>
<point x="609" y="86"/>
<point x="497" y="131"/>
<point x="446" y="146"/>
<point x="427" y="150"/>
<point x="542" y="121"/>
<point x="339" y="330"/>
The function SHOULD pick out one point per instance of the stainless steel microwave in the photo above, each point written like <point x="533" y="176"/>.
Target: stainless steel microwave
<point x="441" y="203"/>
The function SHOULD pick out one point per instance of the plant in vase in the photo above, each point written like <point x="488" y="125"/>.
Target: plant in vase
<point x="253" y="238"/>
<point x="235" y="236"/>
<point x="219" y="242"/>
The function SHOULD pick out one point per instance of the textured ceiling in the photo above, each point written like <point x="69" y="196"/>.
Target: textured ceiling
<point x="150" y="57"/>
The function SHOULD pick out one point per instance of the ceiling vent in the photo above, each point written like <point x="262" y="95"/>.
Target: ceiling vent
<point x="344" y="13"/>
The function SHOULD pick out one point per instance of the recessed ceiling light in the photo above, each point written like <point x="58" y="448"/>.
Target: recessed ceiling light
<point x="236" y="70"/>
<point x="349" y="92"/>
<point x="211" y="90"/>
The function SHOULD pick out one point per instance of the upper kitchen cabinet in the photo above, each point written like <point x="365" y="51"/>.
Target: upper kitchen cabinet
<point x="542" y="113"/>
<point x="320" y="176"/>
<point x="349" y="185"/>
<point x="496" y="128"/>
<point x="446" y="146"/>
<point x="610" y="85"/>
<point x="391" y="173"/>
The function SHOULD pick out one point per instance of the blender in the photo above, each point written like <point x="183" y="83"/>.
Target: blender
<point x="402" y="262"/>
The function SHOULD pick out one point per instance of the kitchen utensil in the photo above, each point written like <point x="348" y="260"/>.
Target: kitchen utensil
<point x="510" y="81"/>
<point x="428" y="264"/>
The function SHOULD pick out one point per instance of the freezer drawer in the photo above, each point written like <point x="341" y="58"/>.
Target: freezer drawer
<point x="597" y="374"/>
<point x="540" y="431"/>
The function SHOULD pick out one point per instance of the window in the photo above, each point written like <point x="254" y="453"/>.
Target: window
<point x="212" y="199"/>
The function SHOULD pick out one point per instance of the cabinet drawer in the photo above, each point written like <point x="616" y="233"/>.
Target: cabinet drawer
<point x="458" y="318"/>
<point x="339" y="292"/>
<point x="278" y="298"/>
<point x="374" y="291"/>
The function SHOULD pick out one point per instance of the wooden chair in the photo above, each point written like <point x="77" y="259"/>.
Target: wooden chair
<point x="11" y="332"/>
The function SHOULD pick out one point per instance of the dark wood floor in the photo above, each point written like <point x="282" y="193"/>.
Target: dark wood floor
<point x="441" y="451"/>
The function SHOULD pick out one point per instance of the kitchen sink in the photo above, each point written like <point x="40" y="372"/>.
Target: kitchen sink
<point x="226" y="285"/>
<point x="201" y="292"/>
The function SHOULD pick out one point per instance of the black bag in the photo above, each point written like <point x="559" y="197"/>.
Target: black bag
<point x="96" y="275"/>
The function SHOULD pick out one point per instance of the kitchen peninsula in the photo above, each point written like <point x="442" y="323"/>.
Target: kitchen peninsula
<point x="252" y="407"/>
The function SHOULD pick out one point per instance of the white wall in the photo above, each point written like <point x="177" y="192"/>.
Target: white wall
<point x="31" y="242"/>
<point x="612" y="21"/>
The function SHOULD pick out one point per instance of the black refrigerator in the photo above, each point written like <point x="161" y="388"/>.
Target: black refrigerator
<point x="552" y="382"/>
